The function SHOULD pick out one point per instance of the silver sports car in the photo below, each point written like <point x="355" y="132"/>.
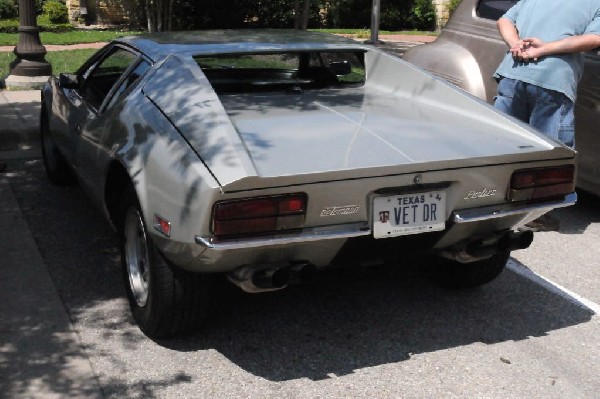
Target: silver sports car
<point x="264" y="156"/>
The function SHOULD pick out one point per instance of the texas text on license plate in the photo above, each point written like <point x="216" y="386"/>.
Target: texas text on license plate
<point x="409" y="214"/>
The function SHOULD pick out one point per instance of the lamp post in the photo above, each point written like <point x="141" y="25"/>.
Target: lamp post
<point x="375" y="14"/>
<point x="29" y="51"/>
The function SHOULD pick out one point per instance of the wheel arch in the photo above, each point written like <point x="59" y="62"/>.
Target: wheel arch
<point x="117" y="182"/>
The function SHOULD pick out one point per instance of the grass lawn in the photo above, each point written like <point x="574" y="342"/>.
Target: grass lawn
<point x="365" y="33"/>
<point x="71" y="37"/>
<point x="91" y="36"/>
<point x="61" y="61"/>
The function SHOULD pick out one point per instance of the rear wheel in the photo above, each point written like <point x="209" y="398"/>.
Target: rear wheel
<point x="56" y="166"/>
<point x="456" y="275"/>
<point x="165" y="301"/>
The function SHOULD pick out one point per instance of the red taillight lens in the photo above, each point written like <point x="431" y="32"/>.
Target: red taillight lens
<point x="540" y="183"/>
<point x="259" y="215"/>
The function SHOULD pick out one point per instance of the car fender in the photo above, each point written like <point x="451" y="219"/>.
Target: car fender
<point x="452" y="62"/>
<point x="169" y="178"/>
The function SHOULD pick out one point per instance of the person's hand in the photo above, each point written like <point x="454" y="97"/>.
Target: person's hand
<point x="533" y="49"/>
<point x="516" y="49"/>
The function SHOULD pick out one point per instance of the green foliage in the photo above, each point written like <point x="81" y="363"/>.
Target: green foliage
<point x="56" y="11"/>
<point x="5" y="59"/>
<point x="39" y="6"/>
<point x="8" y="9"/>
<point x="395" y="14"/>
<point x="61" y="61"/>
<point x="68" y="60"/>
<point x="238" y="14"/>
<point x="422" y="15"/>
<point x="9" y="25"/>
<point x="44" y="25"/>
<point x="452" y="5"/>
<point x="70" y="37"/>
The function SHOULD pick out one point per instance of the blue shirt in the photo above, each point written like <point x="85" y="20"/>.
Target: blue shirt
<point x="551" y="20"/>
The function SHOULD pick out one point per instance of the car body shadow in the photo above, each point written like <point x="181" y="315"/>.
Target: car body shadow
<point x="345" y="320"/>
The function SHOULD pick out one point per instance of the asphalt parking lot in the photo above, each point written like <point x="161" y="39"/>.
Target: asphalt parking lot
<point x="65" y="330"/>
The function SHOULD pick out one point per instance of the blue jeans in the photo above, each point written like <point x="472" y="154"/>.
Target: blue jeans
<point x="549" y="111"/>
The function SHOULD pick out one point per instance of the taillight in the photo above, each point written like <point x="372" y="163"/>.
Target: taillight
<point x="528" y="184"/>
<point x="259" y="215"/>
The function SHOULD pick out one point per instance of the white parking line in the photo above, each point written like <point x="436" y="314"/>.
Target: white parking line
<point x="551" y="286"/>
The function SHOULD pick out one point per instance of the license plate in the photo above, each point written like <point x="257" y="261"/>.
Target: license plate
<point x="409" y="214"/>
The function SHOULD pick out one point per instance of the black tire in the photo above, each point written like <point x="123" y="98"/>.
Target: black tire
<point x="165" y="301"/>
<point x="456" y="275"/>
<point x="57" y="169"/>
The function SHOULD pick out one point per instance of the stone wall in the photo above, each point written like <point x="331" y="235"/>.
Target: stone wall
<point x="441" y="9"/>
<point x="105" y="12"/>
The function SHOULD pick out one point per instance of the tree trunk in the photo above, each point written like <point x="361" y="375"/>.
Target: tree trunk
<point x="297" y="11"/>
<point x="170" y="16"/>
<point x="159" y="15"/>
<point x="301" y="14"/>
<point x="149" y="19"/>
<point x="305" y="14"/>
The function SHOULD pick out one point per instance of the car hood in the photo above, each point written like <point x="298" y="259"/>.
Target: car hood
<point x="386" y="127"/>
<point x="352" y="129"/>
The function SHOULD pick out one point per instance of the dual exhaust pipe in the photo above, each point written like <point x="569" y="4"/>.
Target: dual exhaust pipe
<point x="264" y="278"/>
<point x="273" y="277"/>
<point x="481" y="249"/>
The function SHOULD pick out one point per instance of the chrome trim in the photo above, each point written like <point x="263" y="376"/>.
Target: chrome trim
<point x="363" y="228"/>
<point x="498" y="211"/>
<point x="306" y="235"/>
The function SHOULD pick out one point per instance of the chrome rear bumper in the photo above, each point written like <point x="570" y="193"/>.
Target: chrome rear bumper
<point x="527" y="211"/>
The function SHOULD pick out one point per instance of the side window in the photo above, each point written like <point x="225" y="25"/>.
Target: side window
<point x="104" y="75"/>
<point x="494" y="9"/>
<point x="135" y="74"/>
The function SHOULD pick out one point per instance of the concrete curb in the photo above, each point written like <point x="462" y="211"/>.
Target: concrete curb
<point x="19" y="124"/>
<point x="41" y="354"/>
<point x="14" y="82"/>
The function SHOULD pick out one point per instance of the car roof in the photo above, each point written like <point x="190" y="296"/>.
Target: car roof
<point x="208" y="42"/>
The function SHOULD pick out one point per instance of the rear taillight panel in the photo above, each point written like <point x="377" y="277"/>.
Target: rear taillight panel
<point x="541" y="183"/>
<point x="259" y="215"/>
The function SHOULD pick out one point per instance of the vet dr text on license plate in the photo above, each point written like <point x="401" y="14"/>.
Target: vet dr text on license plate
<point x="409" y="214"/>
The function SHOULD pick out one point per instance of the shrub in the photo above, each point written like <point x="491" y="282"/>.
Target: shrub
<point x="56" y="11"/>
<point x="43" y="23"/>
<point x="8" y="9"/>
<point x="395" y="14"/>
<point x="451" y="6"/>
<point x="39" y="6"/>
<point x="422" y="15"/>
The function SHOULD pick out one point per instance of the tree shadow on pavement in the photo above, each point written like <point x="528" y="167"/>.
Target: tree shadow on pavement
<point x="346" y="320"/>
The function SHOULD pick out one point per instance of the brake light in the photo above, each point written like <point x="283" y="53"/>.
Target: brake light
<point x="527" y="184"/>
<point x="259" y="215"/>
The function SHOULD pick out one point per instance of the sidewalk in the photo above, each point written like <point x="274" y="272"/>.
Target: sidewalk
<point x="41" y="355"/>
<point x="19" y="124"/>
<point x="60" y="47"/>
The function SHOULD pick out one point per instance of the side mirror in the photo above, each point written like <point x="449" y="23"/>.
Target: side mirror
<point x="68" y="81"/>
<point x="340" y="68"/>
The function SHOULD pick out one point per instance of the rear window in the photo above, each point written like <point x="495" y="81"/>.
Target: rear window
<point x="494" y="9"/>
<point x="283" y="71"/>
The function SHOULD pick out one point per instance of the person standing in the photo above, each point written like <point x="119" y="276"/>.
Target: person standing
<point x="538" y="77"/>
